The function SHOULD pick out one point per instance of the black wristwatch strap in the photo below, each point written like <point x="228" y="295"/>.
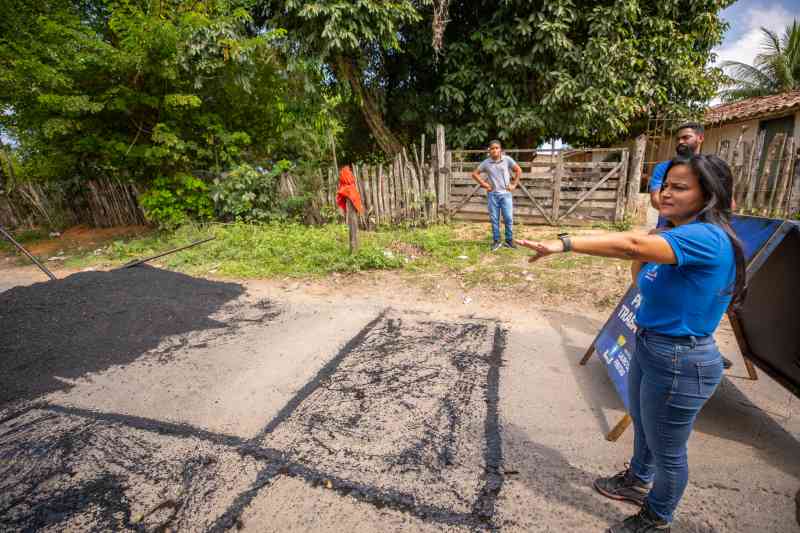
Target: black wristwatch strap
<point x="564" y="237"/>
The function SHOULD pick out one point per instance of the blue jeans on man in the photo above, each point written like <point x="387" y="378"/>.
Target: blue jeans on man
<point x="501" y="203"/>
<point x="670" y="380"/>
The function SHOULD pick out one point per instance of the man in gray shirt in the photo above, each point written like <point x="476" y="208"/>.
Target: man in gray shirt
<point x="499" y="186"/>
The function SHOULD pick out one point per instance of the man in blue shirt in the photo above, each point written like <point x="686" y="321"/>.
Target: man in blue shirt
<point x="688" y="141"/>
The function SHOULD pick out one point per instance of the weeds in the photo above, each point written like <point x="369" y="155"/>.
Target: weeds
<point x="22" y="237"/>
<point x="461" y="252"/>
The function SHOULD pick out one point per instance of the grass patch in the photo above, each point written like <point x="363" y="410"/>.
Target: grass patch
<point x="294" y="250"/>
<point x="458" y="252"/>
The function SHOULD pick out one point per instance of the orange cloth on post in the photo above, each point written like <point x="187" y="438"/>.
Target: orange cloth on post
<point x="348" y="189"/>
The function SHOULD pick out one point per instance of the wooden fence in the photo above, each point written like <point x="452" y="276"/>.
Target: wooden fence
<point x="410" y="189"/>
<point x="572" y="187"/>
<point x="765" y="177"/>
<point x="101" y="203"/>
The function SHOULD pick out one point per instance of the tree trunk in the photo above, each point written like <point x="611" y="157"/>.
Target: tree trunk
<point x="369" y="107"/>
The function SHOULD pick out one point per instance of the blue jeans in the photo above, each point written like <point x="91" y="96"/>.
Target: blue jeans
<point x="670" y="380"/>
<point x="501" y="202"/>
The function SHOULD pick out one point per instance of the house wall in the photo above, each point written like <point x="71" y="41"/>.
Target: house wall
<point x="730" y="132"/>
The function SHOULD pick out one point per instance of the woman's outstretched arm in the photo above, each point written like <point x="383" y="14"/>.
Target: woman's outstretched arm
<point x="629" y="245"/>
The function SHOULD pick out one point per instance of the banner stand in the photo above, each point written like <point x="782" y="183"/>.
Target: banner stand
<point x="744" y="347"/>
<point x="617" y="431"/>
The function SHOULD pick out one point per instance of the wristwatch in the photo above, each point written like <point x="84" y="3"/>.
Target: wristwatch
<point x="564" y="238"/>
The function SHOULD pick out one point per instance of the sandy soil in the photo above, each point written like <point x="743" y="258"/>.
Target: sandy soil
<point x="386" y="405"/>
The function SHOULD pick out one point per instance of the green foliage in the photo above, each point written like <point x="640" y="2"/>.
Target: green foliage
<point x="175" y="200"/>
<point x="134" y="89"/>
<point x="343" y="26"/>
<point x="776" y="69"/>
<point x="253" y="250"/>
<point x="295" y="207"/>
<point x="288" y="249"/>
<point x="583" y="71"/>
<point x="247" y="195"/>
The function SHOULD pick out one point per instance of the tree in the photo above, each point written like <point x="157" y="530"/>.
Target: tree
<point x="141" y="89"/>
<point x="583" y="71"/>
<point x="350" y="37"/>
<point x="776" y="69"/>
<point x="521" y="70"/>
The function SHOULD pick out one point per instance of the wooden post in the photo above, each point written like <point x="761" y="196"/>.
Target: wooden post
<point x="587" y="355"/>
<point x="440" y="161"/>
<point x="352" y="225"/>
<point x="619" y="211"/>
<point x="433" y="196"/>
<point x="737" y="162"/>
<point x="794" y="183"/>
<point x="392" y="182"/>
<point x="786" y="173"/>
<point x="763" y="177"/>
<point x="333" y="149"/>
<point x="635" y="181"/>
<point x="778" y="171"/>
<point x="434" y="177"/>
<point x="559" y="172"/>
<point x="617" y="431"/>
<point x="448" y="163"/>
<point x="741" y="189"/>
<point x="744" y="346"/>
<point x="752" y="176"/>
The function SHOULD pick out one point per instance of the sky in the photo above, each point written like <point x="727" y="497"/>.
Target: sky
<point x="743" y="39"/>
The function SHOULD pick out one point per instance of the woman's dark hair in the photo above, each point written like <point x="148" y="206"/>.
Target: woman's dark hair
<point x="716" y="181"/>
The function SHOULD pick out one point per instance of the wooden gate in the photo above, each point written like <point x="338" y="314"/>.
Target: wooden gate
<point x="569" y="187"/>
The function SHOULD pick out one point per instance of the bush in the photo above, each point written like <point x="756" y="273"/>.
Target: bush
<point x="248" y="195"/>
<point x="175" y="200"/>
<point x="296" y="207"/>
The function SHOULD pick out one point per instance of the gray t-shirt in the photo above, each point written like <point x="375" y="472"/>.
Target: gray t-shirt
<point x="498" y="172"/>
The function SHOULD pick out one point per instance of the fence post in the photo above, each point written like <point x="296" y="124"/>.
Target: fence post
<point x="619" y="211"/>
<point x="752" y="175"/>
<point x="442" y="174"/>
<point x="352" y="225"/>
<point x="559" y="172"/>
<point x="772" y="150"/>
<point x="637" y="165"/>
<point x="737" y="162"/>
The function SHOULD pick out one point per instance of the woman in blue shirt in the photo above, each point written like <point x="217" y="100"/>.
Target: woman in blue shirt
<point x="688" y="275"/>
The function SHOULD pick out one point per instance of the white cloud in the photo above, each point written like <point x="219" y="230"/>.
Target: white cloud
<point x="747" y="45"/>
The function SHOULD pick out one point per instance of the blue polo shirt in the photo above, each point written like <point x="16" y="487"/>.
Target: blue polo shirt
<point x="689" y="297"/>
<point x="656" y="181"/>
<point x="659" y="173"/>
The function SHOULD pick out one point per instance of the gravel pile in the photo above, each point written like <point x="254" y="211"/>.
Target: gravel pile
<point x="92" y="320"/>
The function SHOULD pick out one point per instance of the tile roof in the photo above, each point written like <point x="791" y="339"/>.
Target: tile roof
<point x="753" y="107"/>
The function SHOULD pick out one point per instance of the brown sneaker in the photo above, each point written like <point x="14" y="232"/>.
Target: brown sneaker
<point x="623" y="486"/>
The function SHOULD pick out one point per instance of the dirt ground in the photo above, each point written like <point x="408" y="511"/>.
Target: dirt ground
<point x="374" y="402"/>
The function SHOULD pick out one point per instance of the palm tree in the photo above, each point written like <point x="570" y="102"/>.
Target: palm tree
<point x="776" y="69"/>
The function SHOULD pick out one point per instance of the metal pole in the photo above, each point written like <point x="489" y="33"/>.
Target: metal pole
<point x="27" y="253"/>
<point x="146" y="259"/>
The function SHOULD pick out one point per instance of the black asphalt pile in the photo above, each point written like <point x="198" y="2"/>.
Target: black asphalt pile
<point x="92" y="320"/>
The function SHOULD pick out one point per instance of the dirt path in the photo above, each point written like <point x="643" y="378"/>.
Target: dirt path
<point x="384" y="405"/>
